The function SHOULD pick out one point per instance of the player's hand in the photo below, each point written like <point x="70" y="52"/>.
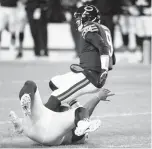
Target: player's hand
<point x="103" y="77"/>
<point x="37" y="14"/>
<point x="104" y="93"/>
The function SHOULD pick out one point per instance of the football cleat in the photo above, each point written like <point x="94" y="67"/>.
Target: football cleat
<point x="85" y="126"/>
<point x="26" y="104"/>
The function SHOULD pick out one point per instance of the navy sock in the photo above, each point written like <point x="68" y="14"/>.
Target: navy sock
<point x="28" y="88"/>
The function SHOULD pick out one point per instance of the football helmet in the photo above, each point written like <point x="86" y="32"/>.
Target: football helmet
<point x="86" y="13"/>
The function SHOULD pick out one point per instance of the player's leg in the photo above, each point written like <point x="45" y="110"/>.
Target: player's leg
<point x="91" y="104"/>
<point x="21" y="28"/>
<point x="76" y="86"/>
<point x="12" y="26"/>
<point x="3" y="21"/>
<point x="124" y="29"/>
<point x="28" y="92"/>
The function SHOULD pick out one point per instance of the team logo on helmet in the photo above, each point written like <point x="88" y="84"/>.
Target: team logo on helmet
<point x="86" y="13"/>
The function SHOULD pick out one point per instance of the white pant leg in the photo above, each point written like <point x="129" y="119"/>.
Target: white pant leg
<point x="73" y="86"/>
<point x="124" y="23"/>
<point x="65" y="79"/>
<point x="3" y="18"/>
<point x="12" y="20"/>
<point x="143" y="26"/>
<point x="21" y="18"/>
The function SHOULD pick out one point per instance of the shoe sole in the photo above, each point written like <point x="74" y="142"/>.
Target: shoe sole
<point x="26" y="104"/>
<point x="94" y="125"/>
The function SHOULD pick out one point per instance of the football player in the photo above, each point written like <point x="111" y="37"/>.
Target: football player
<point x="8" y="17"/>
<point x="67" y="135"/>
<point x="95" y="60"/>
<point x="143" y="25"/>
<point x="21" y="23"/>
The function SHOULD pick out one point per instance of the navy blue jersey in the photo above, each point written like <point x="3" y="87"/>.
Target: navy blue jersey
<point x="96" y="42"/>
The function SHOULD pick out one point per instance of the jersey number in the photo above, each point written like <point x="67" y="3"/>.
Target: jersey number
<point x="109" y="40"/>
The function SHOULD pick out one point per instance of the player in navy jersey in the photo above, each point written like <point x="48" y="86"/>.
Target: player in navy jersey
<point x="95" y="61"/>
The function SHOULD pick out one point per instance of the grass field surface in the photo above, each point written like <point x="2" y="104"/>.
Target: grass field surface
<point x="126" y="120"/>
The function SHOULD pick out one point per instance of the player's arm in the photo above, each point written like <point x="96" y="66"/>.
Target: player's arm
<point x="97" y="41"/>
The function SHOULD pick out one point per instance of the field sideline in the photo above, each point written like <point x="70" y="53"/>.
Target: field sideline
<point x="126" y="120"/>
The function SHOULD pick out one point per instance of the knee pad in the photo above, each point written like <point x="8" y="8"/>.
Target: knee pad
<point x="52" y="86"/>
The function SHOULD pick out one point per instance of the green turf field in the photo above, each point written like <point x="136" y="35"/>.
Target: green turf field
<point x="126" y="120"/>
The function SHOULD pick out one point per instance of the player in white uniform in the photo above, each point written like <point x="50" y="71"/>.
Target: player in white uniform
<point x="69" y="125"/>
<point x="8" y="18"/>
<point x="21" y="23"/>
<point x="143" y="25"/>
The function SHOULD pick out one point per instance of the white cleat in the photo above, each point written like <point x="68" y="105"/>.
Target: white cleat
<point x="16" y="122"/>
<point x="86" y="126"/>
<point x="26" y="104"/>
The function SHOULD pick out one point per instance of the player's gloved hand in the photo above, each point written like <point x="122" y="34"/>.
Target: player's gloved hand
<point x="76" y="68"/>
<point x="103" y="77"/>
<point x="103" y="94"/>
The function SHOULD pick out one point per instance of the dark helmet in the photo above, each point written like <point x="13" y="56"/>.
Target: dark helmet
<point x="86" y="13"/>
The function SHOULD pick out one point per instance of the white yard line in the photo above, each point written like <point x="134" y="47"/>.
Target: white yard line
<point x="103" y="116"/>
<point x="123" y="115"/>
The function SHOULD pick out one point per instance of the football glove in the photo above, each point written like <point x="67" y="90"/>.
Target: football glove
<point x="103" y="77"/>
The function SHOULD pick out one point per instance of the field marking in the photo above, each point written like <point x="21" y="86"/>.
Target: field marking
<point x="123" y="115"/>
<point x="125" y="145"/>
<point x="103" y="116"/>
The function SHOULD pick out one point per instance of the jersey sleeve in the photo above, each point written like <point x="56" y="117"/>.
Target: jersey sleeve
<point x="91" y="35"/>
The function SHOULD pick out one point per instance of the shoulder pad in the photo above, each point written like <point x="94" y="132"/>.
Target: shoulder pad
<point x="89" y="28"/>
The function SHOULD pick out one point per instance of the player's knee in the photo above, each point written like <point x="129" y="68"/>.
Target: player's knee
<point x="52" y="86"/>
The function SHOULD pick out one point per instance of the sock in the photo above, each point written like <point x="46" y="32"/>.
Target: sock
<point x="29" y="88"/>
<point x="125" y="39"/>
<point x="80" y="114"/>
<point x="13" y="38"/>
<point x="21" y="38"/>
<point x="53" y="104"/>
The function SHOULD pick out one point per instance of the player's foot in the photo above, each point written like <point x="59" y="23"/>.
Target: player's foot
<point x="16" y="122"/>
<point x="26" y="104"/>
<point x="86" y="126"/>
